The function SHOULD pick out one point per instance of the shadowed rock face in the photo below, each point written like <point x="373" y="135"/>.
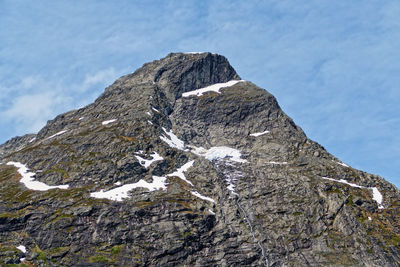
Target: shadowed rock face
<point x="224" y="178"/>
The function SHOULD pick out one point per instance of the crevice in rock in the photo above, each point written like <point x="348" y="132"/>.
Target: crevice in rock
<point x="240" y="207"/>
<point x="246" y="218"/>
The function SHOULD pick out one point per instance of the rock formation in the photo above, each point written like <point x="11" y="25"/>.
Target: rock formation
<point x="183" y="163"/>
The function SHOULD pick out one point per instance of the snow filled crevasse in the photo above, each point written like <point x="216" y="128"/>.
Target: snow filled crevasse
<point x="259" y="134"/>
<point x="231" y="176"/>
<point x="147" y="162"/>
<point x="28" y="180"/>
<point x="108" y="122"/>
<point x="376" y="195"/>
<point x="180" y="172"/>
<point x="212" y="88"/>
<point x="56" y="134"/>
<point x="197" y="194"/>
<point x="173" y="141"/>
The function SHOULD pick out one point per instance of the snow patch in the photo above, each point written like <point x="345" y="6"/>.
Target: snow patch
<point x="119" y="193"/>
<point x="148" y="113"/>
<point x="231" y="186"/>
<point x="147" y="162"/>
<point x="158" y="183"/>
<point x="22" y="248"/>
<point x="219" y="152"/>
<point x="156" y="110"/>
<point x="197" y="194"/>
<point x="28" y="180"/>
<point x="212" y="88"/>
<point x="277" y="163"/>
<point x="81" y="118"/>
<point x="150" y="122"/>
<point x="33" y="139"/>
<point x="341" y="163"/>
<point x="376" y="195"/>
<point x="180" y="172"/>
<point x="194" y="53"/>
<point x="343" y="182"/>
<point x="173" y="141"/>
<point x="108" y="122"/>
<point x="369" y="219"/>
<point x="118" y="183"/>
<point x="210" y="211"/>
<point x="259" y="134"/>
<point x="56" y="134"/>
<point x="231" y="175"/>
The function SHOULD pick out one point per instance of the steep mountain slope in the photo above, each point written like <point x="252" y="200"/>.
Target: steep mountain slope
<point x="159" y="172"/>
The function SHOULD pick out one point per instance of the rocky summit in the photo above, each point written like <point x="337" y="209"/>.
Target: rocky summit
<point x="182" y="163"/>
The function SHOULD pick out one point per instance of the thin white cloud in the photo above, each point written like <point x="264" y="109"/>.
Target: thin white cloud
<point x="33" y="100"/>
<point x="29" y="82"/>
<point x="102" y="77"/>
<point x="30" y="112"/>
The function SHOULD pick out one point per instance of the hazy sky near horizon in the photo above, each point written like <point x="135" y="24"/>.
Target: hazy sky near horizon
<point x="333" y="65"/>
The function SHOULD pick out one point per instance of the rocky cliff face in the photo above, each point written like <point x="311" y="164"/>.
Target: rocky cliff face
<point x="158" y="173"/>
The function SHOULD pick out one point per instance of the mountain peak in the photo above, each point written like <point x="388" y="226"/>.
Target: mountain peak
<point x="182" y="72"/>
<point x="182" y="163"/>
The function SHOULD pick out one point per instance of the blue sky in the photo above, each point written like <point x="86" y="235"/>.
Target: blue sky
<point x="333" y="65"/>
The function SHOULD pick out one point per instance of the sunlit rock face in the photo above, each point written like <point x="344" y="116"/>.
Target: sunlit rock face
<point x="183" y="163"/>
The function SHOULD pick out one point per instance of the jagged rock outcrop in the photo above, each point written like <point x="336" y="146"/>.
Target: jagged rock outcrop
<point x="154" y="173"/>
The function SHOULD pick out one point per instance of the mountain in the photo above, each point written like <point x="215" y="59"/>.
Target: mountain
<point x="183" y="163"/>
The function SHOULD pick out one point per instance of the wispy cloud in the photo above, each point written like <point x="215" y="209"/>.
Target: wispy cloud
<point x="33" y="100"/>
<point x="29" y="112"/>
<point x="100" y="77"/>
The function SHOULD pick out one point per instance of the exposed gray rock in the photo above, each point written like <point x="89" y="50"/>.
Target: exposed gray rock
<point x="273" y="206"/>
